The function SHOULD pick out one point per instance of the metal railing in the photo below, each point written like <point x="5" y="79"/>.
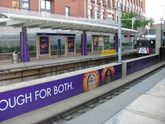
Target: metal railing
<point x="4" y="10"/>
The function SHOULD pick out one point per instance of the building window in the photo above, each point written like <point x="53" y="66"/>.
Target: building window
<point x="25" y="4"/>
<point x="113" y="5"/>
<point x="102" y="15"/>
<point x="95" y="1"/>
<point x="109" y="4"/>
<point x="90" y="13"/>
<point x="15" y="4"/>
<point x="106" y="3"/>
<point x="21" y="4"/>
<point x="97" y="14"/>
<point x="101" y="2"/>
<point x="67" y="11"/>
<point x="46" y="5"/>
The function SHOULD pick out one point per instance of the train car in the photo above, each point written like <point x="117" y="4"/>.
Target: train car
<point x="145" y="46"/>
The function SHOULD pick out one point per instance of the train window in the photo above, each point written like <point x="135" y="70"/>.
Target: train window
<point x="140" y="44"/>
<point x="144" y="44"/>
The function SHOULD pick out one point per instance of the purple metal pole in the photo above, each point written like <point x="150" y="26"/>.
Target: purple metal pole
<point x="21" y="46"/>
<point x="116" y="42"/>
<point x="24" y="50"/>
<point x="84" y="51"/>
<point x="26" y="53"/>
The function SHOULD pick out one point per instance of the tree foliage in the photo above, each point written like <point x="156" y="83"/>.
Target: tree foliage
<point x="139" y="21"/>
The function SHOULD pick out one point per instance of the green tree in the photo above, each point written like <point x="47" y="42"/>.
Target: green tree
<point x="139" y="21"/>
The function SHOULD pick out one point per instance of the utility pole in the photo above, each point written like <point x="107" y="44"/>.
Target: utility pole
<point x="161" y="42"/>
<point x="119" y="33"/>
<point x="133" y="21"/>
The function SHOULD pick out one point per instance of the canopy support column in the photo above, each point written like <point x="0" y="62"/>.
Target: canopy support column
<point x="84" y="51"/>
<point x="116" y="42"/>
<point x="24" y="50"/>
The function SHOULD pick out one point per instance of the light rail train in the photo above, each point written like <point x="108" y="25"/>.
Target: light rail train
<point x="145" y="46"/>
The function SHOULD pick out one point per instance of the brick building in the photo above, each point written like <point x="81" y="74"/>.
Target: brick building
<point x="98" y="9"/>
<point x="108" y="8"/>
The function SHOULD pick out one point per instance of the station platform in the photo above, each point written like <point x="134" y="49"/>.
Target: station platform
<point x="100" y="114"/>
<point x="8" y="66"/>
<point x="146" y="109"/>
<point x="144" y="103"/>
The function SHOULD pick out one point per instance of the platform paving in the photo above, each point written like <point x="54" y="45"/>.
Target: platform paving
<point x="149" y="108"/>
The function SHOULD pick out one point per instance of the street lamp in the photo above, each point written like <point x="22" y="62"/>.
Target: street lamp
<point x="161" y="20"/>
<point x="148" y="28"/>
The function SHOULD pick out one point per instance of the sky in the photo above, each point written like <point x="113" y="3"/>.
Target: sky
<point x="155" y="9"/>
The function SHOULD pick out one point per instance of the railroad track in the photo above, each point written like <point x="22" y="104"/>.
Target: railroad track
<point x="16" y="76"/>
<point x="73" y="113"/>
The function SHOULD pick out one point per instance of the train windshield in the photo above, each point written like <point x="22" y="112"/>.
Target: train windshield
<point x="145" y="46"/>
<point x="142" y="43"/>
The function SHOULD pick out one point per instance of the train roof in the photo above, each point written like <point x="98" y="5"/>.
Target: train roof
<point x="145" y="39"/>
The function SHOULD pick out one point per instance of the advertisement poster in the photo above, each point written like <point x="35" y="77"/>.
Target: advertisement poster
<point x="44" y="45"/>
<point x="70" y="44"/>
<point x="91" y="80"/>
<point x="95" y="43"/>
<point x="108" y="75"/>
<point x="18" y="101"/>
<point x="106" y="43"/>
